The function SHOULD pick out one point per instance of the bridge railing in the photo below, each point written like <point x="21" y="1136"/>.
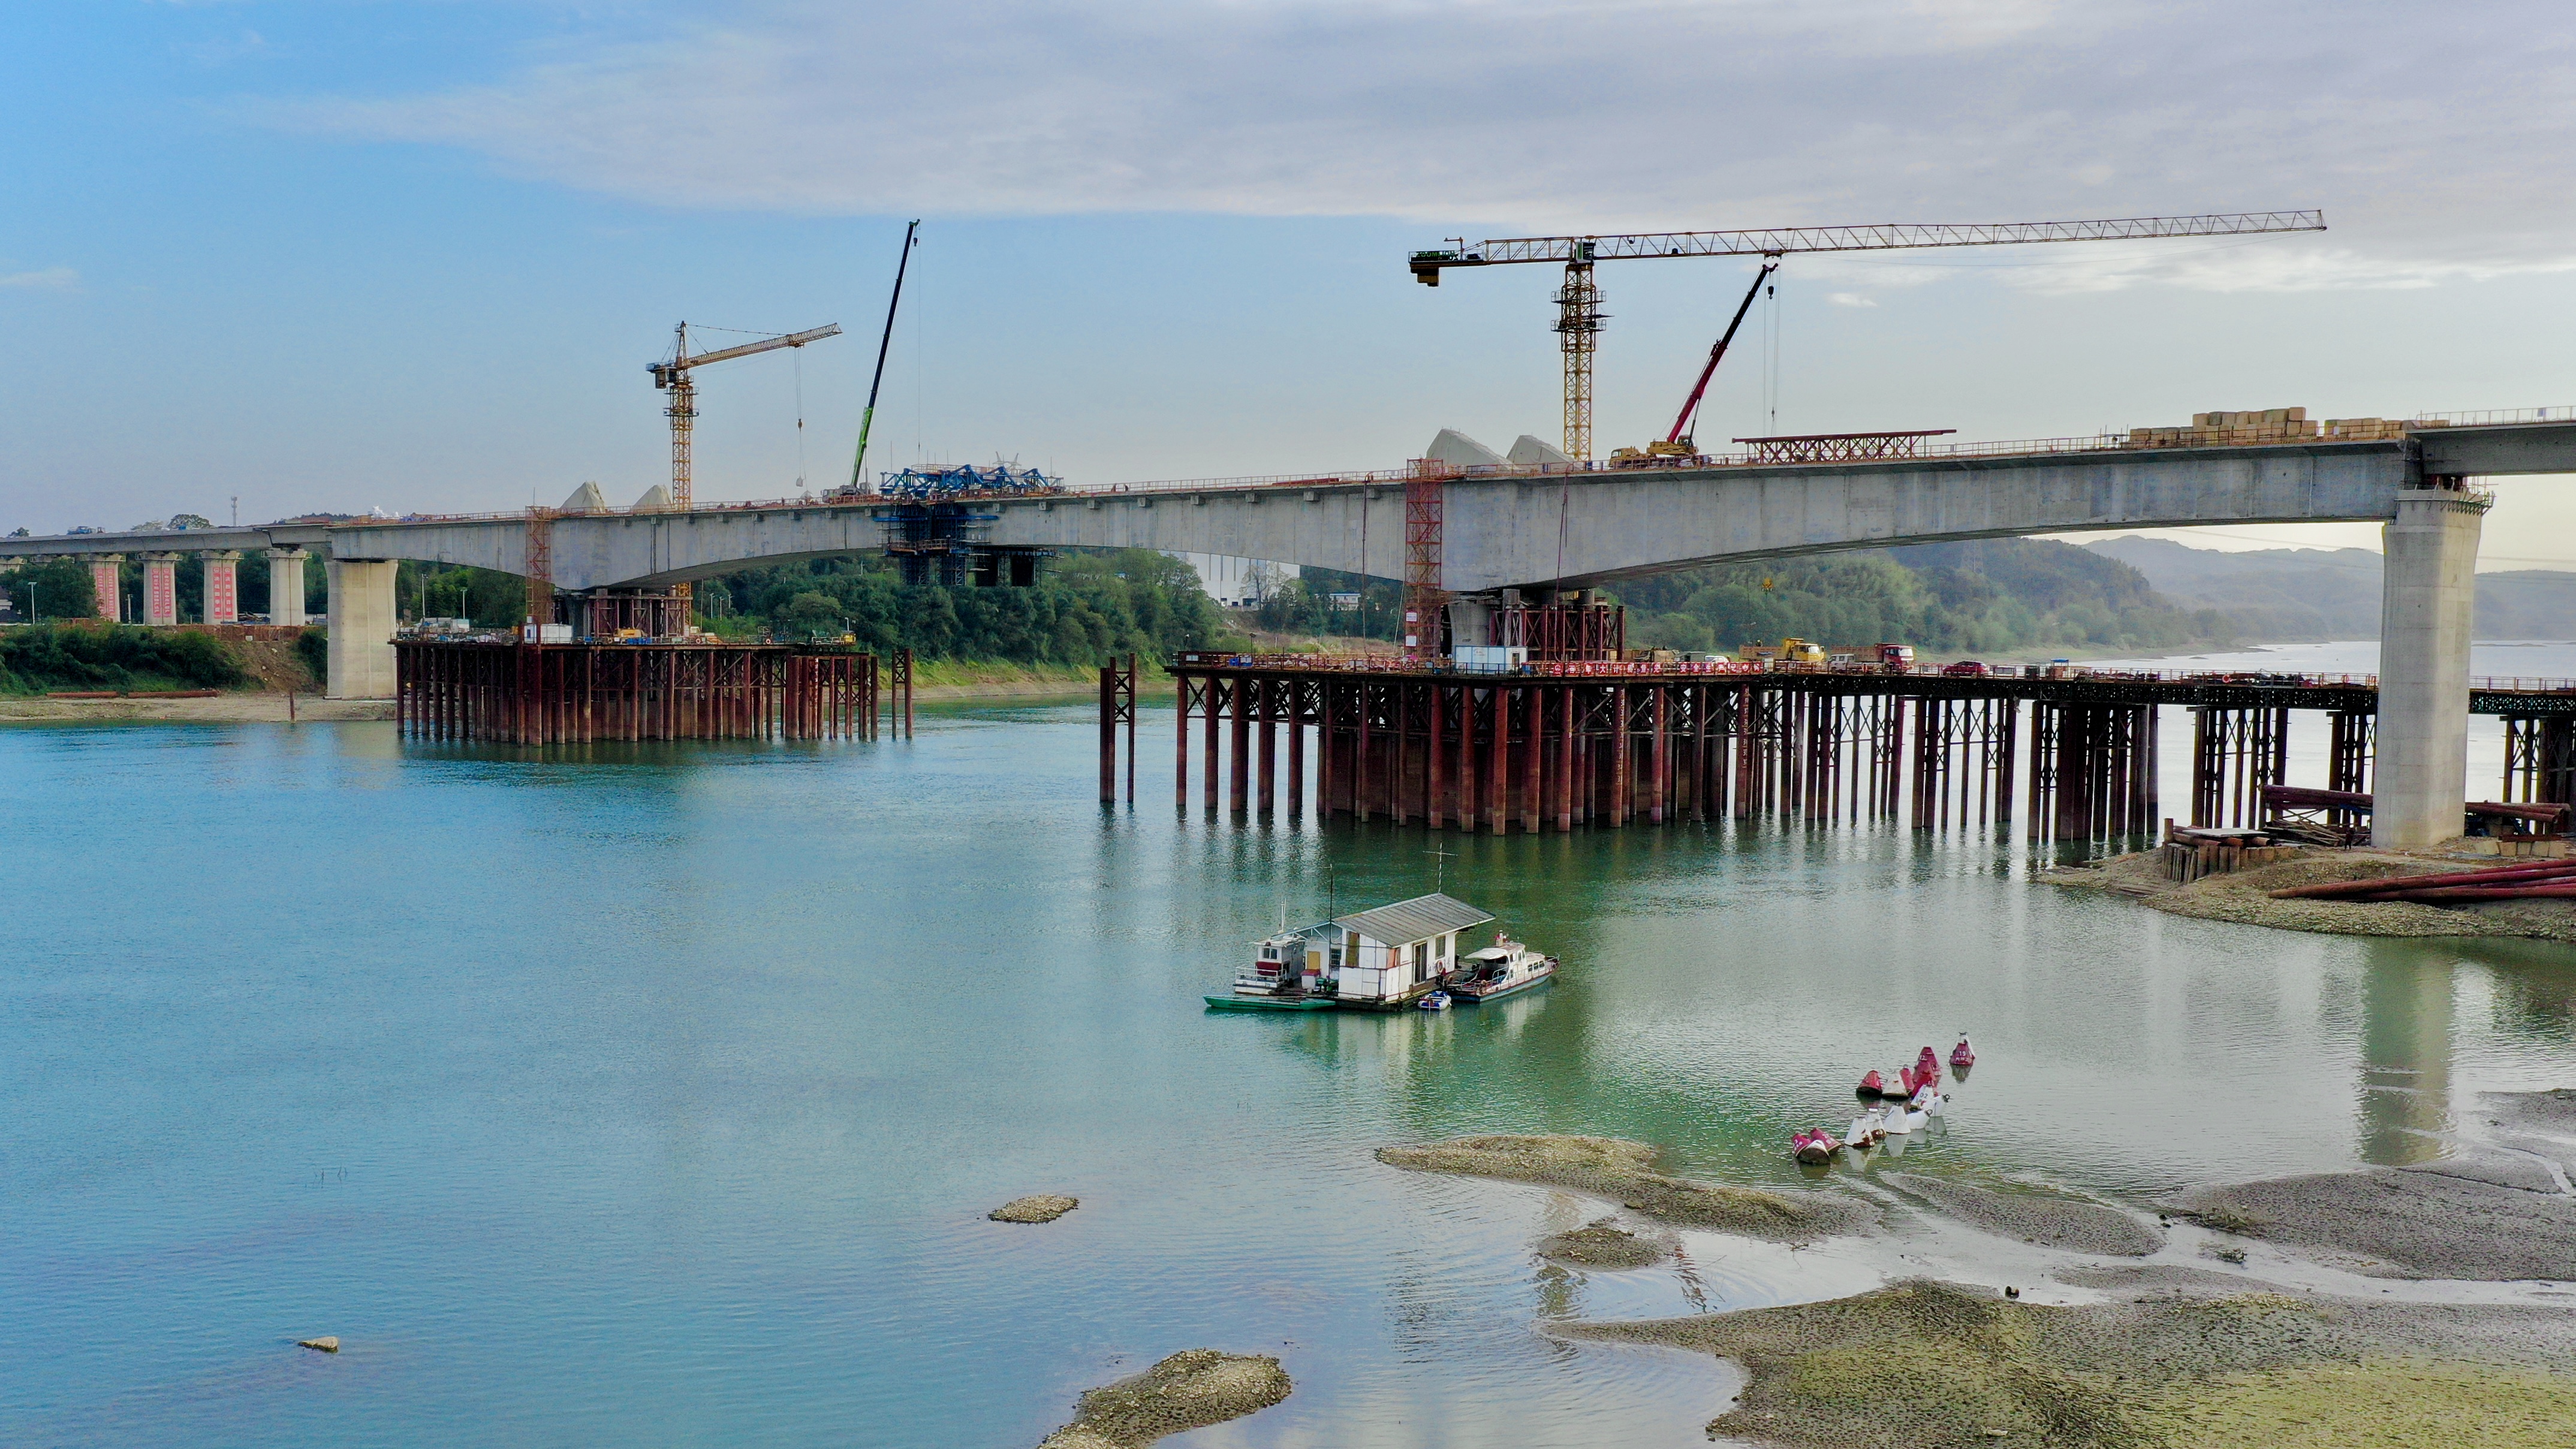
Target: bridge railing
<point x="2496" y="416"/>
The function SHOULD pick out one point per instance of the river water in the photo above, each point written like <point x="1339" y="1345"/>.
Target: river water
<point x="656" y="1094"/>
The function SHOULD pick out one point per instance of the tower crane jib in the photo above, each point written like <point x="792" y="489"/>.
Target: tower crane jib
<point x="674" y="377"/>
<point x="1579" y="314"/>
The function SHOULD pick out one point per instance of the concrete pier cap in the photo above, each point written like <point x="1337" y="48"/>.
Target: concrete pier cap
<point x="2420" y="785"/>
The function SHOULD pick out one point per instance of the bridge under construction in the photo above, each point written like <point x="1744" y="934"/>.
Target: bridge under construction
<point x="1478" y="538"/>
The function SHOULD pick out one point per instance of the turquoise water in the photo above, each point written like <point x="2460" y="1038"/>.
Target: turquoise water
<point x="655" y="1095"/>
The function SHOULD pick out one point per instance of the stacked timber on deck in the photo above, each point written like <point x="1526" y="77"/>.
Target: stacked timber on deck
<point x="541" y="694"/>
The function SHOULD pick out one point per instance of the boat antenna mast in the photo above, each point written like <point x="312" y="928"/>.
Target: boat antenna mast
<point x="1439" y="869"/>
<point x="859" y="464"/>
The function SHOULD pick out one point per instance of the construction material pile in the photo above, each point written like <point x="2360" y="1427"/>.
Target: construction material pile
<point x="2274" y="425"/>
<point x="2540" y="881"/>
<point x="2189" y="853"/>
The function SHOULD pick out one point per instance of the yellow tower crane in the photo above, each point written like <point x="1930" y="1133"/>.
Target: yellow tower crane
<point x="1578" y="302"/>
<point x="683" y="411"/>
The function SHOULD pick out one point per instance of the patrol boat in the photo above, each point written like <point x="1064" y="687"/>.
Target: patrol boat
<point x="1501" y="969"/>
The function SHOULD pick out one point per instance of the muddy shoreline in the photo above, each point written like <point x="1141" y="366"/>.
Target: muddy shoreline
<point x="2158" y="1337"/>
<point x="2245" y="896"/>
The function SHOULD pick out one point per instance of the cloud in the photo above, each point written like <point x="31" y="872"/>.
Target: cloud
<point x="209" y="54"/>
<point x="2422" y="142"/>
<point x="1849" y="299"/>
<point x="57" y="279"/>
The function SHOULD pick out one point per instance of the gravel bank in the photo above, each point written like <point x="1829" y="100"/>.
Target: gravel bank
<point x="1922" y="1365"/>
<point x="1190" y="1390"/>
<point x="2245" y="896"/>
<point x="244" y="707"/>
<point x="1602" y="1245"/>
<point x="2414" y="1224"/>
<point x="2051" y="1222"/>
<point x="1612" y="1168"/>
<point x="1044" y="1207"/>
<point x="2550" y="1111"/>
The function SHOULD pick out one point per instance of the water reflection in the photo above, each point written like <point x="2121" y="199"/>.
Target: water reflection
<point x="2406" y="1026"/>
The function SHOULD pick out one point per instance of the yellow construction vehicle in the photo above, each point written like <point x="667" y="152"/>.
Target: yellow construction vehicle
<point x="1654" y="453"/>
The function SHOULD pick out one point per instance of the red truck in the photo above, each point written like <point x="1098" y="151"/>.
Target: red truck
<point x="1896" y="658"/>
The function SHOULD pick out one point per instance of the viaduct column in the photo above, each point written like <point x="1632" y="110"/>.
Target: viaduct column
<point x="160" y="588"/>
<point x="2421" y="785"/>
<point x="286" y="585"/>
<point x="361" y="655"/>
<point x="105" y="577"/>
<point x="223" y="596"/>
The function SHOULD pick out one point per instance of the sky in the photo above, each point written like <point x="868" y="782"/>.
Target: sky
<point x="292" y="255"/>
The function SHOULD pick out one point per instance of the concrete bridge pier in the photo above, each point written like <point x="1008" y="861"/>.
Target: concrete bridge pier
<point x="223" y="595"/>
<point x="2421" y="784"/>
<point x="361" y="657"/>
<point x="106" y="580"/>
<point x="286" y="586"/>
<point x="161" y="588"/>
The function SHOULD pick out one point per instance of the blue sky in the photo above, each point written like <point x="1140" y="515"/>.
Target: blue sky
<point x="417" y="255"/>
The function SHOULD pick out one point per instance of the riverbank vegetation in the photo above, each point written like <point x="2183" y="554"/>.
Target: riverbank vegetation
<point x="1084" y="610"/>
<point x="44" y="657"/>
<point x="1988" y="597"/>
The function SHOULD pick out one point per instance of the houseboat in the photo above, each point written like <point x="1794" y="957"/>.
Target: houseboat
<point x="1393" y="956"/>
<point x="1500" y="970"/>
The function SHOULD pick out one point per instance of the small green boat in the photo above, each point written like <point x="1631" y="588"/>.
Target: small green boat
<point x="1269" y="1003"/>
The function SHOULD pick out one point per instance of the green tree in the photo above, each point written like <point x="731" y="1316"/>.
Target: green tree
<point x="58" y="588"/>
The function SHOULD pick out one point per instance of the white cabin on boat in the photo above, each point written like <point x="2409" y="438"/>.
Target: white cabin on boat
<point x="1394" y="954"/>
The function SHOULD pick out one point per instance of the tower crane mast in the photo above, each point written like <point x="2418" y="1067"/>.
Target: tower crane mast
<point x="1579" y="314"/>
<point x="674" y="377"/>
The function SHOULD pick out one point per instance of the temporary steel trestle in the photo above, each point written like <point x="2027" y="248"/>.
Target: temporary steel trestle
<point x="1531" y="753"/>
<point x="541" y="694"/>
<point x="1610" y="744"/>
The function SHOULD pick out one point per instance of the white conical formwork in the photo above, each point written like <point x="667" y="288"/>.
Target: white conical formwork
<point x="1529" y="451"/>
<point x="586" y="499"/>
<point x="1457" y="450"/>
<point x="656" y="499"/>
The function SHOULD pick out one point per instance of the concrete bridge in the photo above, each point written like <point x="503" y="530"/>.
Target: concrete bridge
<point x="1572" y="527"/>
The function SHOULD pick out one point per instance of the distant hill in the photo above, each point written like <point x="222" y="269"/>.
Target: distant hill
<point x="2330" y="593"/>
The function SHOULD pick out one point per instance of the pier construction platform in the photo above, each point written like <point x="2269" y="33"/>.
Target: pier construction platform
<point x="564" y="693"/>
<point x="1560" y="745"/>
